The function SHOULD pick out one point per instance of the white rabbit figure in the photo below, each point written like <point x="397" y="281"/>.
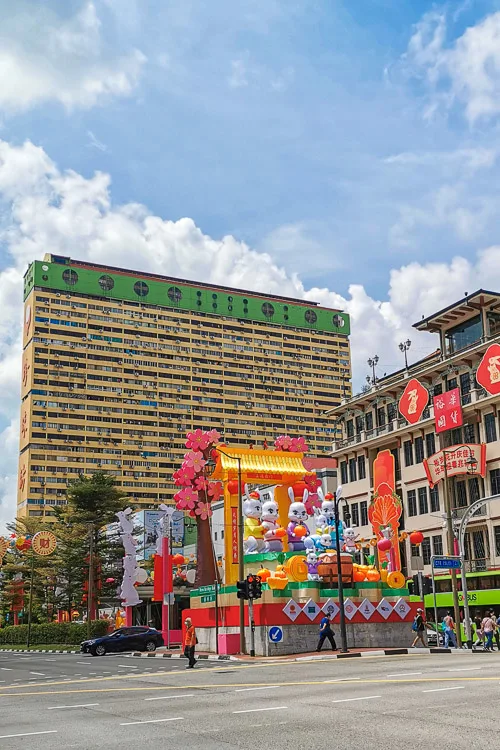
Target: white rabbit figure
<point x="126" y="521"/>
<point x="254" y="531"/>
<point x="297" y="516"/>
<point x="350" y="537"/>
<point x="128" y="592"/>
<point x="321" y="525"/>
<point x="270" y="524"/>
<point x="129" y="544"/>
<point x="312" y="563"/>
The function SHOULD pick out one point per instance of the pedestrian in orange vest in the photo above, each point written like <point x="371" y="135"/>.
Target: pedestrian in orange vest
<point x="190" y="641"/>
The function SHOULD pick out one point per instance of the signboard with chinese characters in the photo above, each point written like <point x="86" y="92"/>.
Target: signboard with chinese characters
<point x="448" y="410"/>
<point x="457" y="462"/>
<point x="413" y="401"/>
<point x="44" y="543"/>
<point x="488" y="372"/>
<point x="234" y="534"/>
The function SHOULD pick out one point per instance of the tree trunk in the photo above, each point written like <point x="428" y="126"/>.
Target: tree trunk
<point x="206" y="569"/>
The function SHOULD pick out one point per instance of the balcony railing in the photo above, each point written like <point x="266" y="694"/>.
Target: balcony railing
<point x="477" y="565"/>
<point x="459" y="513"/>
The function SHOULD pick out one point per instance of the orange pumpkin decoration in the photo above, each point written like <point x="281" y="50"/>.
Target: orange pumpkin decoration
<point x="373" y="575"/>
<point x="300" y="531"/>
<point x="264" y="574"/>
<point x="358" y="575"/>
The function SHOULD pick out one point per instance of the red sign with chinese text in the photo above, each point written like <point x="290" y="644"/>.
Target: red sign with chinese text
<point x="234" y="534"/>
<point x="456" y="462"/>
<point x="413" y="401"/>
<point x="448" y="410"/>
<point x="488" y="372"/>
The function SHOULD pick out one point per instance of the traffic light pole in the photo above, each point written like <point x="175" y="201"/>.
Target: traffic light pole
<point x="252" y="627"/>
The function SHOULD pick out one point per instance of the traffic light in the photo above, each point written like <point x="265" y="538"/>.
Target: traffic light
<point x="427" y="585"/>
<point x="242" y="589"/>
<point x="254" y="587"/>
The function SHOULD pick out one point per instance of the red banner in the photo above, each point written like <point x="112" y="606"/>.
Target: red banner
<point x="448" y="410"/>
<point x="234" y="534"/>
<point x="385" y="508"/>
<point x="413" y="401"/>
<point x="488" y="372"/>
<point x="456" y="462"/>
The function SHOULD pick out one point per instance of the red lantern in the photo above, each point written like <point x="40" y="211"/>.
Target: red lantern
<point x="416" y="537"/>
<point x="178" y="559"/>
<point x="298" y="489"/>
<point x="384" y="545"/>
<point x="232" y="487"/>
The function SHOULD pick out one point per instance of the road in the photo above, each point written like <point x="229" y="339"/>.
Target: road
<point x="70" y="701"/>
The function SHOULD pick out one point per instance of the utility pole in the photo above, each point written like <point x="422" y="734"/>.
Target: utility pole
<point x="451" y="550"/>
<point x="340" y="583"/>
<point x="90" y="592"/>
<point x="241" y="564"/>
<point x="30" y="609"/>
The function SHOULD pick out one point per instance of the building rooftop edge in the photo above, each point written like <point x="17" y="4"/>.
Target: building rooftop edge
<point x="423" y="324"/>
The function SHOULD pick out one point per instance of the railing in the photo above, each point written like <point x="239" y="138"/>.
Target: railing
<point x="460" y="512"/>
<point x="477" y="565"/>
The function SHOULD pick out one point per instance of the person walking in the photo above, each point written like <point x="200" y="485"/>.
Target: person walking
<point x="190" y="641"/>
<point x="497" y="629"/>
<point x="418" y="628"/>
<point x="449" y="631"/>
<point x="325" y="631"/>
<point x="488" y="628"/>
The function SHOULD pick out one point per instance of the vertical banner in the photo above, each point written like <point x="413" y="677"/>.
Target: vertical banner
<point x="385" y="508"/>
<point x="448" y="410"/>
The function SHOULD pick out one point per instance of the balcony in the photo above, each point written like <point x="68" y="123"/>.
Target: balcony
<point x="478" y="565"/>
<point x="459" y="513"/>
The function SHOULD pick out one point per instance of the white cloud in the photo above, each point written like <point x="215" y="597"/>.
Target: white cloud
<point x="465" y="71"/>
<point x="239" y="75"/>
<point x="470" y="159"/>
<point x="47" y="58"/>
<point x="45" y="208"/>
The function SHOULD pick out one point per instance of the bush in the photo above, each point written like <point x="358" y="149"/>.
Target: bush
<point x="65" y="633"/>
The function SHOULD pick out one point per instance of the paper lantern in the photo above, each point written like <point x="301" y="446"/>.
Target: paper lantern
<point x="384" y="545"/>
<point x="178" y="559"/>
<point x="232" y="487"/>
<point x="416" y="537"/>
<point x="298" y="489"/>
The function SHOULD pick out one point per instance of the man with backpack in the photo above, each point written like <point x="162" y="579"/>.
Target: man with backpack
<point x="418" y="628"/>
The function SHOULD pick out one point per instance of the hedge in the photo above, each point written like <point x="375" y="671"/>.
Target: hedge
<point x="65" y="633"/>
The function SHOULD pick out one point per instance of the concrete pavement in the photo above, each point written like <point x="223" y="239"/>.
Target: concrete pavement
<point x="58" y="701"/>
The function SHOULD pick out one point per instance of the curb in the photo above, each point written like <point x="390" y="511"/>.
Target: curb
<point x="210" y="657"/>
<point x="388" y="652"/>
<point x="36" y="651"/>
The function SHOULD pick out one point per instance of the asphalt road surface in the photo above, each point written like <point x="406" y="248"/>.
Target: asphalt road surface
<point x="70" y="701"/>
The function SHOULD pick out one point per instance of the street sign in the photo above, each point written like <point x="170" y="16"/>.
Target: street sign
<point x="441" y="563"/>
<point x="275" y="634"/>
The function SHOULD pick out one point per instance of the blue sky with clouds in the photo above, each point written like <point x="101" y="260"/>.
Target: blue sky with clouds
<point x="346" y="152"/>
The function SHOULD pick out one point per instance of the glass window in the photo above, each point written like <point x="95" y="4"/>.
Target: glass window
<point x="350" y="428"/>
<point x="419" y="450"/>
<point x="426" y="550"/>
<point x="465" y="334"/>
<point x="355" y="514"/>
<point x="437" y="389"/>
<point x="490" y="428"/>
<point x="343" y="472"/>
<point x="474" y="493"/>
<point x="465" y="387"/>
<point x="408" y="450"/>
<point x="381" y="416"/>
<point x="422" y="501"/>
<point x="361" y="467"/>
<point x="363" y="506"/>
<point x="434" y="495"/>
<point x="369" y="420"/>
<point x="397" y="465"/>
<point x="392" y="412"/>
<point x="352" y="469"/>
<point x="469" y="433"/>
<point x="359" y="424"/>
<point x="460" y="493"/>
<point x="412" y="502"/>
<point x="430" y="444"/>
<point x="495" y="482"/>
<point x="437" y="545"/>
<point x="497" y="540"/>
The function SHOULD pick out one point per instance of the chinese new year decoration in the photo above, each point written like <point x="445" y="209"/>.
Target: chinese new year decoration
<point x="488" y="372"/>
<point x="413" y="401"/>
<point x="448" y="410"/>
<point x="385" y="511"/>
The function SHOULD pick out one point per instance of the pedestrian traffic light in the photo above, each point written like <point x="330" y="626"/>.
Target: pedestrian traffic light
<point x="242" y="589"/>
<point x="254" y="587"/>
<point x="427" y="585"/>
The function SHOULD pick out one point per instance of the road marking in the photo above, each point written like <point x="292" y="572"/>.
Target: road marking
<point x="86" y="663"/>
<point x="440" y="690"/>
<point x="363" y="698"/>
<point x="6" y="669"/>
<point x="79" y="705"/>
<point x="127" y="666"/>
<point x="466" y="669"/>
<point x="152" y="721"/>
<point x="27" y="734"/>
<point x="39" y="674"/>
<point x="264" y="687"/>
<point x="169" y="697"/>
<point x="342" y="679"/>
<point x="405" y="674"/>
<point x="255" y="710"/>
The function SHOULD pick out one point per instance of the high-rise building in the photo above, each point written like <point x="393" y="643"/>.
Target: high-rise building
<point x="118" y="365"/>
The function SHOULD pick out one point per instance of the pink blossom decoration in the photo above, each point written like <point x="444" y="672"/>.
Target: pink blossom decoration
<point x="312" y="502"/>
<point x="186" y="498"/>
<point x="213" y="436"/>
<point x="203" y="510"/>
<point x="283" y="442"/>
<point x="197" y="440"/>
<point x="195" y="460"/>
<point x="312" y="482"/>
<point x="201" y="484"/>
<point x="215" y="490"/>
<point x="184" y="476"/>
<point x="298" y="445"/>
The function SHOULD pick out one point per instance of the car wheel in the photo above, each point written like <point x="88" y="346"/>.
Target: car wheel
<point x="99" y="650"/>
<point x="150" y="646"/>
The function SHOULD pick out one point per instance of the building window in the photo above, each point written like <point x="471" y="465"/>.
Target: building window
<point x="343" y="472"/>
<point x="423" y="507"/>
<point x="106" y="283"/>
<point x="222" y="534"/>
<point x="355" y="514"/>
<point x="412" y="502"/>
<point x="465" y="387"/>
<point x="426" y="550"/>
<point x="460" y="494"/>
<point x="419" y="450"/>
<point x="352" y="469"/>
<point x="381" y="416"/>
<point x="359" y="425"/>
<point x="469" y="433"/>
<point x="174" y="294"/>
<point x="363" y="507"/>
<point x="349" y="428"/>
<point x="141" y="288"/>
<point x="430" y="444"/>
<point x="215" y="536"/>
<point x="397" y="465"/>
<point x="496" y="529"/>
<point x="70" y="277"/>
<point x="474" y="493"/>
<point x="437" y="545"/>
<point x="268" y="310"/>
<point x="495" y="482"/>
<point x="490" y="428"/>
<point x="369" y="420"/>
<point x="465" y="334"/>
<point x="392" y="412"/>
<point x="408" y="450"/>
<point x="361" y="467"/>
<point x="310" y="317"/>
<point x="434" y="493"/>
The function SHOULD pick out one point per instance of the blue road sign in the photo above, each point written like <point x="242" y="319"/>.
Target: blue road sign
<point x="275" y="634"/>
<point x="447" y="562"/>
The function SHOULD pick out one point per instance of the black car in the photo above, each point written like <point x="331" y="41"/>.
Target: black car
<point x="124" y="639"/>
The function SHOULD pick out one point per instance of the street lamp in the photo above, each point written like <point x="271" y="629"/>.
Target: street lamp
<point x="340" y="584"/>
<point x="372" y="362"/>
<point x="404" y="346"/>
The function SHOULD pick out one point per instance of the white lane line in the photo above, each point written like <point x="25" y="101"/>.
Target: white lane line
<point x="127" y="666"/>
<point x="341" y="679"/>
<point x="466" y="669"/>
<point x="362" y="698"/>
<point x="152" y="721"/>
<point x="86" y="663"/>
<point x="39" y="674"/>
<point x="6" y="669"/>
<point x="79" y="705"/>
<point x="167" y="697"/>
<point x="255" y="710"/>
<point x="441" y="690"/>
<point x="405" y="674"/>
<point x="265" y="687"/>
<point x="27" y="734"/>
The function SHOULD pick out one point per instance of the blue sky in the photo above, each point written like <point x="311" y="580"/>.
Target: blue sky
<point x="346" y="152"/>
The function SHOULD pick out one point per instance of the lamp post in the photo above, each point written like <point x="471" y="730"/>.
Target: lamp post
<point x="404" y="346"/>
<point x="372" y="362"/>
<point x="241" y="566"/>
<point x="340" y="583"/>
<point x="471" y="469"/>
